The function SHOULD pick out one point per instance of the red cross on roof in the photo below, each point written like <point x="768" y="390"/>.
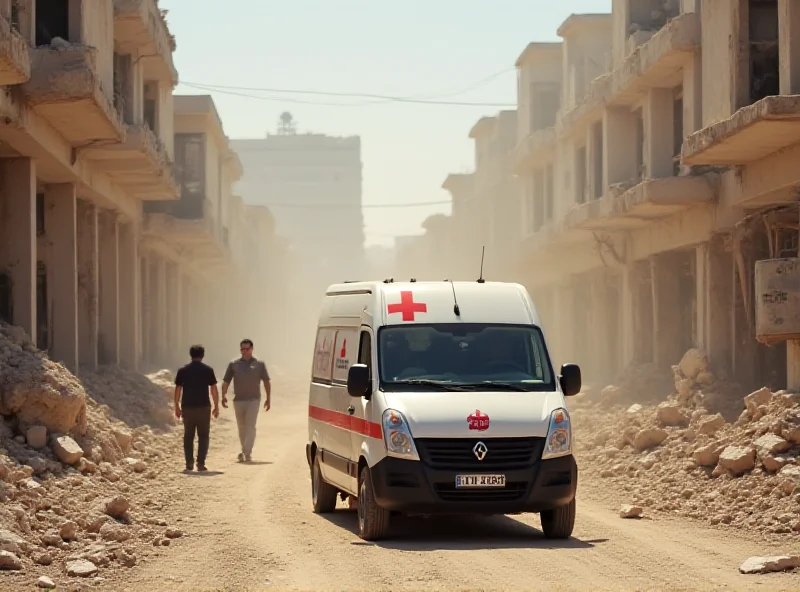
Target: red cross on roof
<point x="407" y="306"/>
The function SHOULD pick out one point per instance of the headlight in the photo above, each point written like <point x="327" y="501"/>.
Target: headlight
<point x="559" y="435"/>
<point x="397" y="436"/>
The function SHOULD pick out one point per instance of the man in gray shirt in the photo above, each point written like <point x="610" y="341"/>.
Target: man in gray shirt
<point x="247" y="374"/>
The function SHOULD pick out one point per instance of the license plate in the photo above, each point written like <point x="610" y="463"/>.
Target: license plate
<point x="480" y="480"/>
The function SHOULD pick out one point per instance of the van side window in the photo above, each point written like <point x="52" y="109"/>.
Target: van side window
<point x="365" y="350"/>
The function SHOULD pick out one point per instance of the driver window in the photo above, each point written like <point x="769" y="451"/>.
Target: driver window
<point x="365" y="350"/>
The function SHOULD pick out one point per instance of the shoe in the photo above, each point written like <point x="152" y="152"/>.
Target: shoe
<point x="201" y="468"/>
<point x="240" y="457"/>
<point x="188" y="469"/>
<point x="247" y="458"/>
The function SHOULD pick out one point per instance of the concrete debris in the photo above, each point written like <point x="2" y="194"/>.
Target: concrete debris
<point x="117" y="507"/>
<point x="737" y="460"/>
<point x="36" y="390"/>
<point x="67" y="450"/>
<point x="36" y="437"/>
<point x="9" y="561"/>
<point x="81" y="568"/>
<point x="756" y="565"/>
<point x="630" y="511"/>
<point x="703" y="451"/>
<point x="78" y="459"/>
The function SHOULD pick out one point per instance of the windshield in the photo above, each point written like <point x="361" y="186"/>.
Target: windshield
<point x="464" y="357"/>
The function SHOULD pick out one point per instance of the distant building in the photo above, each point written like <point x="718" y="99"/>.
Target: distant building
<point x="295" y="173"/>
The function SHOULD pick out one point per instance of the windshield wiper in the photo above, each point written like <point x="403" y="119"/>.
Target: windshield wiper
<point x="440" y="384"/>
<point x="494" y="386"/>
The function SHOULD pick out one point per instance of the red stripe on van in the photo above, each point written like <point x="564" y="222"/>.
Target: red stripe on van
<point x="346" y="421"/>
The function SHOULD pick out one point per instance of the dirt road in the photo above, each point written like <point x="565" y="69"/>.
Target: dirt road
<point x="250" y="527"/>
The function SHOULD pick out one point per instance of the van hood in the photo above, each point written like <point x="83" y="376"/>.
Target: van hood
<point x="497" y="414"/>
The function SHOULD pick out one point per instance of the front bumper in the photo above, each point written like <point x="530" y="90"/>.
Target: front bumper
<point x="414" y="488"/>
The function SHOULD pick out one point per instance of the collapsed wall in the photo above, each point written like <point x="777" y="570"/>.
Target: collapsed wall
<point x="75" y="454"/>
<point x="703" y="451"/>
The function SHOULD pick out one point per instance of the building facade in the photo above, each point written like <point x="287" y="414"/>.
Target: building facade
<point x="92" y="265"/>
<point x="656" y="163"/>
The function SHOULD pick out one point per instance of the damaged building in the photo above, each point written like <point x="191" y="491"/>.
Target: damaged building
<point x="117" y="223"/>
<point x="656" y="167"/>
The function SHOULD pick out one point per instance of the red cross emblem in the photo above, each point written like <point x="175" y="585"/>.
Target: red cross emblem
<point x="478" y="421"/>
<point x="407" y="306"/>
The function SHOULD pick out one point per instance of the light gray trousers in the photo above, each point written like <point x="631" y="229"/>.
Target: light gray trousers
<point x="246" y="418"/>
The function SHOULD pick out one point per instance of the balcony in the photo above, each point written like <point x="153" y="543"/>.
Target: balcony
<point x="191" y="228"/>
<point x="65" y="90"/>
<point x="140" y="27"/>
<point x="640" y="205"/>
<point x="752" y="133"/>
<point x="587" y="109"/>
<point x="532" y="148"/>
<point x="657" y="63"/>
<point x="139" y="164"/>
<point x="15" y="61"/>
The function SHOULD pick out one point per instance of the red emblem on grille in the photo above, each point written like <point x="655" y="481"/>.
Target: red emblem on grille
<point x="478" y="421"/>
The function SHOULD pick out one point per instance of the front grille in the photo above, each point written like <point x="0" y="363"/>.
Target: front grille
<point x="457" y="454"/>
<point x="511" y="492"/>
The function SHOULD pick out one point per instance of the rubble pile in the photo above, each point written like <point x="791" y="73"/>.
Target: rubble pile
<point x="701" y="453"/>
<point x="133" y="398"/>
<point x="78" y="466"/>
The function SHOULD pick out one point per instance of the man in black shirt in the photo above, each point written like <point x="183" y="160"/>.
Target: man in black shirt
<point x="193" y="382"/>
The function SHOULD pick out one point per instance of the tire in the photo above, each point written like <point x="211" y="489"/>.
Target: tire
<point x="559" y="523"/>
<point x="373" y="521"/>
<point x="323" y="494"/>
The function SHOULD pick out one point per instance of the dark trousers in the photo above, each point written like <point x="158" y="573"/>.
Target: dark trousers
<point x="196" y="419"/>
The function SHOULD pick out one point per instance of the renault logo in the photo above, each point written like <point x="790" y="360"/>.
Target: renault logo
<point x="480" y="451"/>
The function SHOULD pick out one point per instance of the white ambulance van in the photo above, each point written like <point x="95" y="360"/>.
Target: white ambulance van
<point x="439" y="398"/>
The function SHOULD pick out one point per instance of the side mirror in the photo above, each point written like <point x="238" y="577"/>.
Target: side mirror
<point x="570" y="379"/>
<point x="358" y="380"/>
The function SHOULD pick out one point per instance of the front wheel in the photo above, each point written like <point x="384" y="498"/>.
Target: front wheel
<point x="559" y="523"/>
<point x="373" y="521"/>
<point x="323" y="494"/>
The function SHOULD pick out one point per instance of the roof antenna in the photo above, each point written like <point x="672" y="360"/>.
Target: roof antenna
<point x="483" y="252"/>
<point x="456" y="309"/>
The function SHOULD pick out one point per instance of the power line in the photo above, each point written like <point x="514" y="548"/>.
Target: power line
<point x="359" y="206"/>
<point x="233" y="90"/>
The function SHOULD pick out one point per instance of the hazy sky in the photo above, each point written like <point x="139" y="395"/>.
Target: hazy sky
<point x="413" y="48"/>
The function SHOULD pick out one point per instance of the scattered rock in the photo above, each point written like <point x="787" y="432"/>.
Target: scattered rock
<point x="138" y="466"/>
<point x="707" y="456"/>
<point x="117" y="507"/>
<point x="671" y="415"/>
<point x="9" y="561"/>
<point x="46" y="583"/>
<point x="756" y="399"/>
<point x="66" y="449"/>
<point x="693" y="362"/>
<point x="630" y="511"/>
<point x="43" y="559"/>
<point x="173" y="533"/>
<point x="770" y="444"/>
<point x="711" y="424"/>
<point x="37" y="437"/>
<point x="649" y="438"/>
<point x="13" y="543"/>
<point x="737" y="460"/>
<point x="81" y="568"/>
<point x="68" y="531"/>
<point x="755" y="565"/>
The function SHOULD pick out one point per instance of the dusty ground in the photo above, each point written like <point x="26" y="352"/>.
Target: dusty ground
<point x="250" y="527"/>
